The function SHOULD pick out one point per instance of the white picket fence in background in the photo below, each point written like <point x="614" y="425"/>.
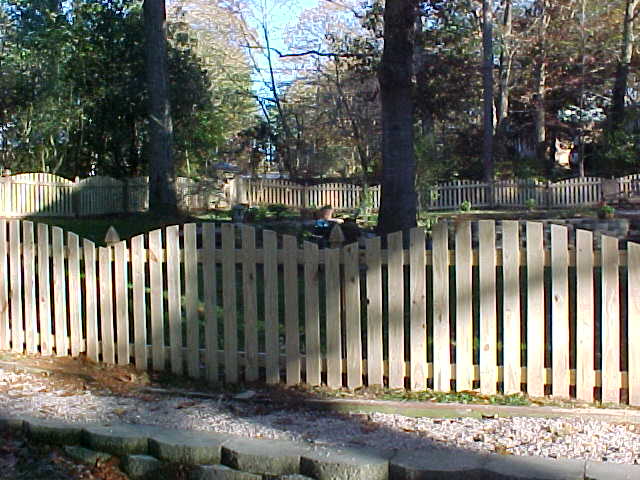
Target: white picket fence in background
<point x="232" y="304"/>
<point x="46" y="194"/>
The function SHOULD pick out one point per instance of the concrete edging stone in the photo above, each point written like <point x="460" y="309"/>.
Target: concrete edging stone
<point x="229" y="457"/>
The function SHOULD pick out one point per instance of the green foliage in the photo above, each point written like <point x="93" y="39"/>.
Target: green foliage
<point x="277" y="210"/>
<point x="530" y="203"/>
<point x="73" y="91"/>
<point x="465" y="206"/>
<point x="606" y="211"/>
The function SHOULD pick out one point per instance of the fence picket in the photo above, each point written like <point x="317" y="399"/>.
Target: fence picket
<point x="464" y="307"/>
<point x="106" y="305"/>
<point x="90" y="302"/>
<point x="395" y="294"/>
<point x="174" y="299"/>
<point x="611" y="381"/>
<point x="375" y="366"/>
<point x="29" y="282"/>
<point x="17" y="328"/>
<point x="44" y="287"/>
<point x="334" y="314"/>
<point x="122" y="302"/>
<point x="292" y="324"/>
<point x="313" y="359"/>
<point x="560" y="311"/>
<point x="139" y="302"/>
<point x="441" y="328"/>
<point x="352" y="316"/>
<point x="59" y="292"/>
<point x="272" y="336"/>
<point x="191" y="300"/>
<point x="535" y="310"/>
<point x="488" y="321"/>
<point x="75" y="294"/>
<point x="229" y="303"/>
<point x="511" y="306"/>
<point x="250" y="303"/>
<point x="156" y="260"/>
<point x="418" y="333"/>
<point x="210" y="300"/>
<point x="585" y="310"/>
<point x="5" y="339"/>
<point x="633" y="286"/>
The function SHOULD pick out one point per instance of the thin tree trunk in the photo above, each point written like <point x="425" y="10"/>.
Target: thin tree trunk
<point x="398" y="201"/>
<point x="622" y="75"/>
<point x="506" y="60"/>
<point x="162" y="177"/>
<point x="487" y="84"/>
<point x="540" y="76"/>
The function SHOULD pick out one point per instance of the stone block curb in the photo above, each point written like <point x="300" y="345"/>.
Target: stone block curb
<point x="11" y="423"/>
<point x="192" y="448"/>
<point x="118" y="440"/>
<point x="229" y="457"/>
<point x="52" y="432"/>
<point x="272" y="457"/>
<point x="140" y="466"/>
<point x="437" y="464"/>
<point x="611" y="471"/>
<point x="511" y="467"/>
<point x="344" y="464"/>
<point x="84" y="455"/>
<point x="221" y="472"/>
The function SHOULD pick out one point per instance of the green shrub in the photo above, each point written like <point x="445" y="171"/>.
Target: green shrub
<point x="530" y="204"/>
<point x="465" y="206"/>
<point x="277" y="210"/>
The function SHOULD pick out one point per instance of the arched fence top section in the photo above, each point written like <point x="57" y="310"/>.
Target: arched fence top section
<point x="538" y="308"/>
<point x="37" y="178"/>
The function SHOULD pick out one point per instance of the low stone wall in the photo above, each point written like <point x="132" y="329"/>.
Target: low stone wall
<point x="146" y="452"/>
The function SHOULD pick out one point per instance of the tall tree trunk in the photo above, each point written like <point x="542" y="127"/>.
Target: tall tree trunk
<point x="398" y="201"/>
<point x="540" y="78"/>
<point x="487" y="85"/>
<point x="506" y="60"/>
<point x="622" y="75"/>
<point x="162" y="177"/>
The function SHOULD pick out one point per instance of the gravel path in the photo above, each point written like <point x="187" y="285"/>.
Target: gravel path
<point x="26" y="394"/>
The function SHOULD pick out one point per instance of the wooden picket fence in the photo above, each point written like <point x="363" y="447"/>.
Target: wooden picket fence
<point x="45" y="194"/>
<point x="222" y="303"/>
<point x="291" y="194"/>
<point x="572" y="192"/>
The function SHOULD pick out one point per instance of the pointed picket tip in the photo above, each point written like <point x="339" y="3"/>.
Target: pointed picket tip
<point x="112" y="237"/>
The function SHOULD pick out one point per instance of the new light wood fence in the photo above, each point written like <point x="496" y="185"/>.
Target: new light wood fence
<point x="475" y="311"/>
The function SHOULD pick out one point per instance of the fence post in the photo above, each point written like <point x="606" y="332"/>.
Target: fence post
<point x="548" y="194"/>
<point x="491" y="193"/>
<point x="75" y="197"/>
<point x="125" y="195"/>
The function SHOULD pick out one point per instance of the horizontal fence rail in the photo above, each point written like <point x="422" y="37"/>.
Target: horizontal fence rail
<point x="493" y="307"/>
